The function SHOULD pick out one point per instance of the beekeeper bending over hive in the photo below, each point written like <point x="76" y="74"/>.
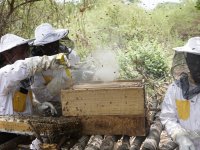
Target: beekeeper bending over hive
<point x="49" y="41"/>
<point x="17" y="75"/>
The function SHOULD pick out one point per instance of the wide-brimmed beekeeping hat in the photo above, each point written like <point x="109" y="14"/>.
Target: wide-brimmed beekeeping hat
<point x="45" y="34"/>
<point x="9" y="41"/>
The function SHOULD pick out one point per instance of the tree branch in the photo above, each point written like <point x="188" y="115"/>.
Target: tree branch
<point x="26" y="2"/>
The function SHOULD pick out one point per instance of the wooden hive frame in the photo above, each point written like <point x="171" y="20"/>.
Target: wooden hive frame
<point x="29" y="125"/>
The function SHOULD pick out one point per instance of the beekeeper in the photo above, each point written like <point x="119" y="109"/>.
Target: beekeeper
<point x="49" y="41"/>
<point x="16" y="76"/>
<point x="181" y="106"/>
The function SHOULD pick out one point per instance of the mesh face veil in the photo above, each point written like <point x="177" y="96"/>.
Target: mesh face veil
<point x="185" y="65"/>
<point x="179" y="65"/>
<point x="193" y="63"/>
<point x="185" y="68"/>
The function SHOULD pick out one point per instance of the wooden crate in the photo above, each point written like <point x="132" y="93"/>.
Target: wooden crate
<point x="107" y="108"/>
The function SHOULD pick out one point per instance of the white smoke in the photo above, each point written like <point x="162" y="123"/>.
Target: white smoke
<point x="106" y="65"/>
<point x="101" y="65"/>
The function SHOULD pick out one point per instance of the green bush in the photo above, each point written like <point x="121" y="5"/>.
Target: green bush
<point x="144" y="58"/>
<point x="198" y="4"/>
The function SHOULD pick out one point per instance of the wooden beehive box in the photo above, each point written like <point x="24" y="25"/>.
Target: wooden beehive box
<point x="107" y="108"/>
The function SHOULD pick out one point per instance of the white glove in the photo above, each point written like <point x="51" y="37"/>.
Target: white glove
<point x="44" y="107"/>
<point x="184" y="142"/>
<point x="35" y="145"/>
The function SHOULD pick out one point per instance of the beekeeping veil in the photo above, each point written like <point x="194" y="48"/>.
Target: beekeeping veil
<point x="186" y="64"/>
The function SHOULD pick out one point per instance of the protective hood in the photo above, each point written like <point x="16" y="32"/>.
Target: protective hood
<point x="186" y="63"/>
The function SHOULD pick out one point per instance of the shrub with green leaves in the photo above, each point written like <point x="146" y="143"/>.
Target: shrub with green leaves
<point x="144" y="58"/>
<point x="198" y="4"/>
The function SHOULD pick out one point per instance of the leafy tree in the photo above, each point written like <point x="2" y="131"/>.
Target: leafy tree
<point x="8" y="12"/>
<point x="198" y="4"/>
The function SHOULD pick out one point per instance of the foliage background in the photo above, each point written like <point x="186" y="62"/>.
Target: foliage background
<point x="143" y="40"/>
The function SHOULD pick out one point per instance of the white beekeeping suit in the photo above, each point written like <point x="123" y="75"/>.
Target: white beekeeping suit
<point x="13" y="100"/>
<point x="48" y="84"/>
<point x="181" y="106"/>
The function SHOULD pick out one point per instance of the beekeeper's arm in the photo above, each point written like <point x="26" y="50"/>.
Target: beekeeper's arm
<point x="169" y="119"/>
<point x="11" y="75"/>
<point x="39" y="89"/>
<point x="47" y="92"/>
<point x="62" y="80"/>
<point x="42" y="108"/>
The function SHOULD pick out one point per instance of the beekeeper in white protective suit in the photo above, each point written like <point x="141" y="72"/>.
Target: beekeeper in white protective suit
<point x="17" y="75"/>
<point x="180" y="112"/>
<point x="48" y="84"/>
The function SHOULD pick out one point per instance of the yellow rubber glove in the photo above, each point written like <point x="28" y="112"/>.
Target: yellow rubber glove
<point x="62" y="59"/>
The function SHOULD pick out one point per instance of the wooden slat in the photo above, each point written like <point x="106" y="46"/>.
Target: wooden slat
<point x="103" y="85"/>
<point x="21" y="124"/>
<point x="118" y="101"/>
<point x="113" y="125"/>
<point x="15" y="127"/>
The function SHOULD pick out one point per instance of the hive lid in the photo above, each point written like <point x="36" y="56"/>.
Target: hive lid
<point x="106" y="85"/>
